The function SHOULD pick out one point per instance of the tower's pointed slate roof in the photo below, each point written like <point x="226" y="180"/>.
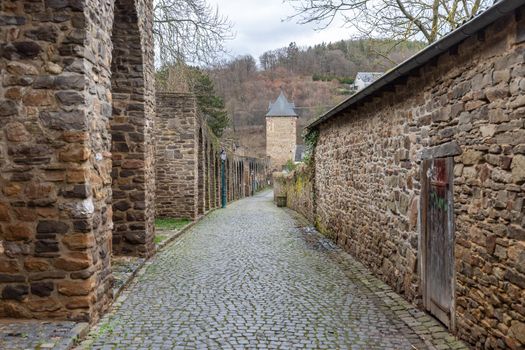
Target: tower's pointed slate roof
<point x="281" y="107"/>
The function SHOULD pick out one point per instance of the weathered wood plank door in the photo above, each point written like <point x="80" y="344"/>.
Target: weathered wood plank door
<point x="438" y="238"/>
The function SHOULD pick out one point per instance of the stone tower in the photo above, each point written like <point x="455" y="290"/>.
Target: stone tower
<point x="281" y="132"/>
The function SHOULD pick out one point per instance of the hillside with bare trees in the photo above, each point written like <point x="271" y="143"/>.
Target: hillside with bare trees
<point x="315" y="78"/>
<point x="248" y="101"/>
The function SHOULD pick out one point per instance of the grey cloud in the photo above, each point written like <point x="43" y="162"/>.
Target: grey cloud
<point x="260" y="27"/>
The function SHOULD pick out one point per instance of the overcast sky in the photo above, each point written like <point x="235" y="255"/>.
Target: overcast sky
<point x="260" y="27"/>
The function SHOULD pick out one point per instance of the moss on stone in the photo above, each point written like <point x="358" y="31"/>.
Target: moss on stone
<point x="171" y="223"/>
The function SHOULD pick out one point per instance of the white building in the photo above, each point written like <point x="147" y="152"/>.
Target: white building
<point x="363" y="79"/>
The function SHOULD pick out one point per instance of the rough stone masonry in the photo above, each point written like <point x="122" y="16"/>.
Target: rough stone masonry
<point x="56" y="116"/>
<point x="468" y="104"/>
<point x="132" y="127"/>
<point x="188" y="167"/>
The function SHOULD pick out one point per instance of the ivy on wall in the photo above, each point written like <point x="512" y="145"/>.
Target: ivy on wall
<point x="310" y="141"/>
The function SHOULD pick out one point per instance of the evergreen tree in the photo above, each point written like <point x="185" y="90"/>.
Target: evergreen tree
<point x="185" y="79"/>
<point x="211" y="105"/>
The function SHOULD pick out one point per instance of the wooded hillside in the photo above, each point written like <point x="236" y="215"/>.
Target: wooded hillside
<point x="315" y="78"/>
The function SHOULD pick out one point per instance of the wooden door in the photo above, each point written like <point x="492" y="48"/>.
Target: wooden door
<point x="438" y="238"/>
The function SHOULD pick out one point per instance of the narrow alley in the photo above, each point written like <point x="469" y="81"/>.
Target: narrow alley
<point x="251" y="277"/>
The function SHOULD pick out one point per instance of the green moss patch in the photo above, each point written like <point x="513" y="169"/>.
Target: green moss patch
<point x="171" y="224"/>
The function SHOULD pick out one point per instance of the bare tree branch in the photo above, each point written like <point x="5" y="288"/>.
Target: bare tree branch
<point x="426" y="20"/>
<point x="189" y="31"/>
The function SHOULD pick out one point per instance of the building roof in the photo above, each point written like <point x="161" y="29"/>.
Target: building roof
<point x="281" y="107"/>
<point x="470" y="28"/>
<point x="368" y="77"/>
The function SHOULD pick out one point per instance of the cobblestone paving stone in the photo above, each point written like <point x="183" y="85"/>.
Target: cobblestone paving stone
<point x="123" y="268"/>
<point x="247" y="277"/>
<point x="21" y="335"/>
<point x="164" y="237"/>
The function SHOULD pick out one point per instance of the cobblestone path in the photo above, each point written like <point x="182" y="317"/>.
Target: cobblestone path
<point x="246" y="277"/>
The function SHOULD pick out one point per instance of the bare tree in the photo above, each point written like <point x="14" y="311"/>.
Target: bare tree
<point x="189" y="31"/>
<point x="400" y="20"/>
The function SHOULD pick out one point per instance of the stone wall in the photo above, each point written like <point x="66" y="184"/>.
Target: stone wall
<point x="368" y="181"/>
<point x="253" y="175"/>
<point x="201" y="167"/>
<point x="132" y="85"/>
<point x="55" y="160"/>
<point x="188" y="170"/>
<point x="281" y="134"/>
<point x="298" y="188"/>
<point x="176" y="156"/>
